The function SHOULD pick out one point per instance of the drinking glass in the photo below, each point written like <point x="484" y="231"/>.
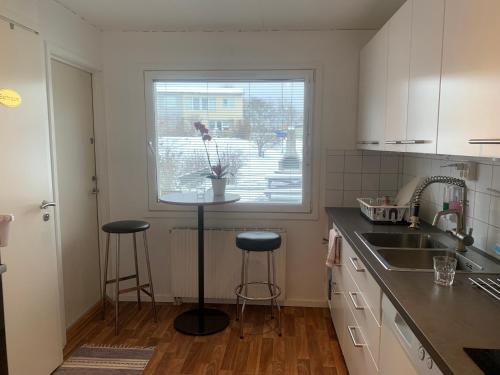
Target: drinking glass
<point x="444" y="270"/>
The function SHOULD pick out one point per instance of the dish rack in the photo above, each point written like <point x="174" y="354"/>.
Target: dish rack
<point x="378" y="212"/>
<point x="489" y="285"/>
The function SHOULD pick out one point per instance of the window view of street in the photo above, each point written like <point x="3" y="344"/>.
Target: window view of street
<point x="258" y="127"/>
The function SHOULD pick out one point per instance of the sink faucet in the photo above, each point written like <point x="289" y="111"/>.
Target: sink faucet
<point x="464" y="239"/>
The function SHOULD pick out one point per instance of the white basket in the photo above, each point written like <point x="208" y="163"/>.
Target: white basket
<point x="376" y="211"/>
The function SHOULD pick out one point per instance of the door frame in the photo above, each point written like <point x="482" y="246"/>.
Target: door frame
<point x="53" y="52"/>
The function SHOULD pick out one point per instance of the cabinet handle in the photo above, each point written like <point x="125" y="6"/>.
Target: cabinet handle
<point x="351" y="330"/>
<point x="368" y="142"/>
<point x="354" y="298"/>
<point x="393" y="142"/>
<point x="415" y="141"/>
<point x="354" y="262"/>
<point x="485" y="141"/>
<point x="333" y="289"/>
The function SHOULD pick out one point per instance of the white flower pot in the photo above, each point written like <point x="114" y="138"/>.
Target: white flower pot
<point x="219" y="186"/>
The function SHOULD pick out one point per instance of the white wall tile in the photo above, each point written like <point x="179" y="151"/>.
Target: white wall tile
<point x="350" y="198"/>
<point x="389" y="164"/>
<point x="335" y="163"/>
<point x="353" y="163"/>
<point x="493" y="245"/>
<point x="371" y="163"/>
<point x="482" y="207"/>
<point x="495" y="212"/>
<point x="388" y="181"/>
<point x="495" y="185"/>
<point x="471" y="202"/>
<point x="484" y="177"/>
<point x="335" y="181"/>
<point x="352" y="181"/>
<point x="333" y="198"/>
<point x="370" y="181"/>
<point x="369" y="194"/>
<point x="480" y="234"/>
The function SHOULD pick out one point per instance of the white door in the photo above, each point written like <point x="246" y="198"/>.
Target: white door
<point x="30" y="286"/>
<point x="398" y="71"/>
<point x="76" y="188"/>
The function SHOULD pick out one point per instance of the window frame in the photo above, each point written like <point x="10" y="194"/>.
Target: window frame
<point x="306" y="207"/>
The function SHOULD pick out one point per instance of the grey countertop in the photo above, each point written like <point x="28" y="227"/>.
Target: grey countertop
<point x="445" y="319"/>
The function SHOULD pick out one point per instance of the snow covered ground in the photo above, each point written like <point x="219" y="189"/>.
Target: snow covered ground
<point x="251" y="182"/>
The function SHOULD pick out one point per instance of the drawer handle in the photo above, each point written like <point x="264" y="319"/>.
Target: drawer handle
<point x="368" y="142"/>
<point x="351" y="330"/>
<point x="354" y="262"/>
<point x="333" y="288"/>
<point x="487" y="141"/>
<point x="354" y="300"/>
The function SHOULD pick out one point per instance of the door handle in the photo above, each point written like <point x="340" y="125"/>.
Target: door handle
<point x="94" y="191"/>
<point x="45" y="204"/>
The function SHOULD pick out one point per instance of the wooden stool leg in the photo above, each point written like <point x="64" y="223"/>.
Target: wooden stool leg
<point x="105" y="282"/>
<point x="117" y="282"/>
<point x="151" y="289"/>
<point x="137" y="273"/>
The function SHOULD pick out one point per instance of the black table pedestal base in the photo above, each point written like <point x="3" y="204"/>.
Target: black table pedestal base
<point x="201" y="322"/>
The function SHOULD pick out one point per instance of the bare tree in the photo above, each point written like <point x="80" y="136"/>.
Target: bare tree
<point x="262" y="117"/>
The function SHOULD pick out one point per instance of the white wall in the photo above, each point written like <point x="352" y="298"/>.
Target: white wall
<point x="126" y="54"/>
<point x="68" y="33"/>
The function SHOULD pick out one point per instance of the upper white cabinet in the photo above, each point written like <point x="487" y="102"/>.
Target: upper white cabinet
<point x="425" y="75"/>
<point x="469" y="119"/>
<point x="372" y="90"/>
<point x="398" y="68"/>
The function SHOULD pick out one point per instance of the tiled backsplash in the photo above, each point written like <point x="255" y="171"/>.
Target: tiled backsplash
<point x="483" y="195"/>
<point x="353" y="174"/>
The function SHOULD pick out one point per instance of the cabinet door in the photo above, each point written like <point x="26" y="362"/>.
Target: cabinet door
<point x="470" y="86"/>
<point x="372" y="92"/>
<point x="398" y="66"/>
<point x="425" y="75"/>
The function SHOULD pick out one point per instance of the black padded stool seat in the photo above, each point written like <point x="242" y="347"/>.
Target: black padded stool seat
<point x="258" y="241"/>
<point x="125" y="226"/>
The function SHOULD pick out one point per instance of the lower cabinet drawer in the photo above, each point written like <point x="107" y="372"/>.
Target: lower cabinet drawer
<point x="363" y="315"/>
<point x="364" y="280"/>
<point x="357" y="356"/>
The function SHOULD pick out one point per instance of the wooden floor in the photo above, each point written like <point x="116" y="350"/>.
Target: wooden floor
<point x="308" y="346"/>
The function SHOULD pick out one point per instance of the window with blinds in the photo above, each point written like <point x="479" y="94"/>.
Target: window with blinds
<point x="258" y="126"/>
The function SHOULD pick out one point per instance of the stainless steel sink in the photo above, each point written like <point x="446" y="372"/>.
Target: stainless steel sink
<point x="403" y="240"/>
<point x="422" y="259"/>
<point x="415" y="252"/>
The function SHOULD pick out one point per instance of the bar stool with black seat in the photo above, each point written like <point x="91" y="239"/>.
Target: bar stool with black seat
<point x="258" y="241"/>
<point x="127" y="227"/>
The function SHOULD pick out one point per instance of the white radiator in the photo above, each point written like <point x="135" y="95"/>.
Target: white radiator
<point x="222" y="264"/>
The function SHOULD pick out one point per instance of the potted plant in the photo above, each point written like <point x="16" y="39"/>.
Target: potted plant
<point x="218" y="172"/>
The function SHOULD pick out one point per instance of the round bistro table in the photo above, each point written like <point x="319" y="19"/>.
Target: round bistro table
<point x="200" y="321"/>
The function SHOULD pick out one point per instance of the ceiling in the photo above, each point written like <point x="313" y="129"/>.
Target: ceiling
<point x="215" y="15"/>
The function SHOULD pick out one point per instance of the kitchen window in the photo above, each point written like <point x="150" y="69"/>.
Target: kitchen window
<point x="260" y="121"/>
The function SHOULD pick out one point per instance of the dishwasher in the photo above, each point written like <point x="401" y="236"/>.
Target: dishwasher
<point x="401" y="352"/>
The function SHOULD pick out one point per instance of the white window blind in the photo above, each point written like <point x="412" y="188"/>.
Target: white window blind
<point x="259" y="127"/>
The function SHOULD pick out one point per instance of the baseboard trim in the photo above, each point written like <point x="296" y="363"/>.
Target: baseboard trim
<point x="76" y="328"/>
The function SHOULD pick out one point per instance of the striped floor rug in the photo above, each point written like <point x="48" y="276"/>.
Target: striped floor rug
<point x="106" y="360"/>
